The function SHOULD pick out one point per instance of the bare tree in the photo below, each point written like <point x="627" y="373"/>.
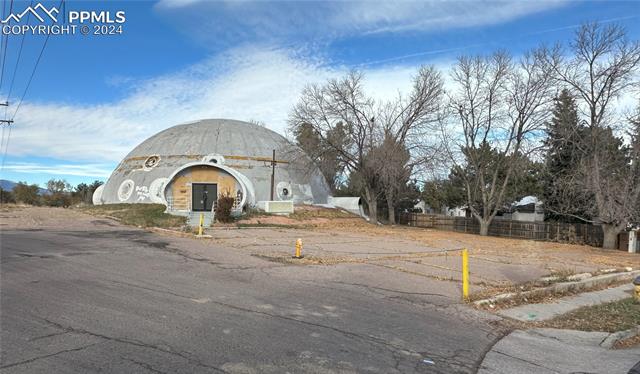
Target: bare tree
<point x="499" y="107"/>
<point x="603" y="65"/>
<point x="368" y="123"/>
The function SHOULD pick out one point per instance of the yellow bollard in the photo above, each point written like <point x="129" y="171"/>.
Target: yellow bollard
<point x="201" y="224"/>
<point x="299" y="248"/>
<point x="636" y="289"/>
<point x="465" y="274"/>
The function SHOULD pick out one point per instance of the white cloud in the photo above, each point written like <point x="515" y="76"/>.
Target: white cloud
<point x="440" y="15"/>
<point x="220" y="22"/>
<point x="246" y="84"/>
<point x="173" y="4"/>
<point x="88" y="170"/>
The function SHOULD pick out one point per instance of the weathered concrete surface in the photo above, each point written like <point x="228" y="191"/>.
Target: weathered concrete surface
<point x="542" y="312"/>
<point x="97" y="296"/>
<point x="542" y="351"/>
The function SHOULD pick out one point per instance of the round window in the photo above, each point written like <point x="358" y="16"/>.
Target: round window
<point x="151" y="161"/>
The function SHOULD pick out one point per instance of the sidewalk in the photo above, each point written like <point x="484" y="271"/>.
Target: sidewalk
<point x="542" y="351"/>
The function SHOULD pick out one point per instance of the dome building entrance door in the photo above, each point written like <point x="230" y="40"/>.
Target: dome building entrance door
<point x="204" y="195"/>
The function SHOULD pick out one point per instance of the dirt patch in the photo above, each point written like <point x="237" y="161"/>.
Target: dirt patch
<point x="306" y="260"/>
<point x="330" y="236"/>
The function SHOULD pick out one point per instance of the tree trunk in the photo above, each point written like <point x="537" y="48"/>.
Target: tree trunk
<point x="610" y="236"/>
<point x="392" y="212"/>
<point x="390" y="207"/>
<point x="484" y="226"/>
<point x="372" y="203"/>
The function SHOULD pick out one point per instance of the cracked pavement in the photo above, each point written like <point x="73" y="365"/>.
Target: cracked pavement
<point x="104" y="297"/>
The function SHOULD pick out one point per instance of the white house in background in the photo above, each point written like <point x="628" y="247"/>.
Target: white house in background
<point x="528" y="209"/>
<point x="459" y="211"/>
<point x="421" y="207"/>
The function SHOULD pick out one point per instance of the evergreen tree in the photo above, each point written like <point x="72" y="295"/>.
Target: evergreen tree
<point x="323" y="151"/>
<point x="563" y="190"/>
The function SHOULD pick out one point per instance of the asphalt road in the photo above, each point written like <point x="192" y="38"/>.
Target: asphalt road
<point x="115" y="299"/>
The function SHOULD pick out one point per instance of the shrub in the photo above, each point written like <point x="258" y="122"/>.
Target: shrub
<point x="224" y="206"/>
<point x="57" y="199"/>
<point x="26" y="194"/>
<point x="6" y="196"/>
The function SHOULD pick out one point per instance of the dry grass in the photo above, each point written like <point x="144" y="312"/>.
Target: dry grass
<point x="141" y="215"/>
<point x="627" y="343"/>
<point x="8" y="208"/>
<point x="558" y="257"/>
<point x="534" y="297"/>
<point x="305" y="216"/>
<point x="307" y="212"/>
<point x="610" y="317"/>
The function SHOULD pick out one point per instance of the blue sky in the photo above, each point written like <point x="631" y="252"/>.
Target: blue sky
<point x="94" y="98"/>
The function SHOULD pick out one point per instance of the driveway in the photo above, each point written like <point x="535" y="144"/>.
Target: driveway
<point x="91" y="295"/>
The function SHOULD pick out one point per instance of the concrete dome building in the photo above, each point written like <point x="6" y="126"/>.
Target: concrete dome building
<point x="186" y="167"/>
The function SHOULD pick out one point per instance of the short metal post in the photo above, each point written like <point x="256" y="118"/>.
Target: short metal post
<point x="298" y="248"/>
<point x="465" y="274"/>
<point x="201" y="224"/>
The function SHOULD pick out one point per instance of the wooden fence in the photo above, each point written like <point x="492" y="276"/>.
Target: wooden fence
<point x="547" y="231"/>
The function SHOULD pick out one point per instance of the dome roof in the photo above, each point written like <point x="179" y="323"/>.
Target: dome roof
<point x="222" y="136"/>
<point x="243" y="149"/>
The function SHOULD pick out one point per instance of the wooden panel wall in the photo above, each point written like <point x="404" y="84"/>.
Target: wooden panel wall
<point x="180" y="188"/>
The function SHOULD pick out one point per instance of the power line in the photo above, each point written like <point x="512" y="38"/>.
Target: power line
<point x="2" y="42"/>
<point x="15" y="70"/>
<point x="33" y="73"/>
<point x="5" y="47"/>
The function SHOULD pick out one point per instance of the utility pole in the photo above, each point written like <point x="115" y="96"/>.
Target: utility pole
<point x="273" y="173"/>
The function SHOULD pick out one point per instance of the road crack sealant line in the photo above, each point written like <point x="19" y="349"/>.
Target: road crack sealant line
<point x="144" y="365"/>
<point x="134" y="342"/>
<point x="48" y="356"/>
<point x="485" y="281"/>
<point x="365" y="338"/>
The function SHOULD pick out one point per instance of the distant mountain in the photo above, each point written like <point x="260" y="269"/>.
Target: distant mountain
<point x="9" y="185"/>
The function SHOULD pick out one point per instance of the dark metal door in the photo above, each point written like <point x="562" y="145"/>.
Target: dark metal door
<point x="203" y="195"/>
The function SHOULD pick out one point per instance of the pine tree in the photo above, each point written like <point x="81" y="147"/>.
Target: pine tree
<point x="564" y="149"/>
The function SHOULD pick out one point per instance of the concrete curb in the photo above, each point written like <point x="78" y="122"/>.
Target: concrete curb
<point x="180" y="234"/>
<point x="565" y="286"/>
<point x="615" y="337"/>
